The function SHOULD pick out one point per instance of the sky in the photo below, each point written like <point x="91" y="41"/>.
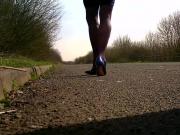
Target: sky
<point x="134" y="18"/>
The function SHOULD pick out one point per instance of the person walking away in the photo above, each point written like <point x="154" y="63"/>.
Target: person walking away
<point x="99" y="32"/>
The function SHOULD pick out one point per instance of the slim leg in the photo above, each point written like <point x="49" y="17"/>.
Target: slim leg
<point x="104" y="28"/>
<point x="93" y="24"/>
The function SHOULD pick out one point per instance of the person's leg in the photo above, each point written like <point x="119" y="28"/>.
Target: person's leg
<point x="106" y="8"/>
<point x="93" y="24"/>
<point x="104" y="28"/>
<point x="99" y="33"/>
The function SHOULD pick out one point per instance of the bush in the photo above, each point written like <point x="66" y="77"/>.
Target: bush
<point x="164" y="45"/>
<point x="28" y="27"/>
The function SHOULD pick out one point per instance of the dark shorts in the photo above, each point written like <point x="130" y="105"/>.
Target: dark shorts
<point x="97" y="3"/>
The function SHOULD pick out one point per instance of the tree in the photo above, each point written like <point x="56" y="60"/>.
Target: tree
<point x="169" y="33"/>
<point x="28" y="27"/>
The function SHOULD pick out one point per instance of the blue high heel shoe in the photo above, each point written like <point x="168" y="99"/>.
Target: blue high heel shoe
<point x="100" y="65"/>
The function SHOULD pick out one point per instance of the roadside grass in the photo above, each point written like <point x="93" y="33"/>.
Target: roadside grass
<point x="21" y="62"/>
<point x="5" y="102"/>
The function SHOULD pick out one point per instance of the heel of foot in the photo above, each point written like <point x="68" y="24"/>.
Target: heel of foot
<point x="100" y="71"/>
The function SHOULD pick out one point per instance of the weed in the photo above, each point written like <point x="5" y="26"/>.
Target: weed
<point x="14" y="85"/>
<point x="34" y="76"/>
<point x="5" y="102"/>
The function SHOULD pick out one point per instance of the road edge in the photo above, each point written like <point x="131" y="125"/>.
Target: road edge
<point x="12" y="78"/>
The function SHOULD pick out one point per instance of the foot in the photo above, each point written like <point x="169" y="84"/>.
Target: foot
<point x="91" y="72"/>
<point x="100" y="66"/>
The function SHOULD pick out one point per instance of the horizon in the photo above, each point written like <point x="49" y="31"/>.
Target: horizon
<point x="135" y="23"/>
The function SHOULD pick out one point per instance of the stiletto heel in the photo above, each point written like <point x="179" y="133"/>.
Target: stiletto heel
<point x="100" y="66"/>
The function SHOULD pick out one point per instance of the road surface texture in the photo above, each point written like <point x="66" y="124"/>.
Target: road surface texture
<point x="133" y="99"/>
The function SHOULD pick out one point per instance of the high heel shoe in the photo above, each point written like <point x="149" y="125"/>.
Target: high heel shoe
<point x="101" y="66"/>
<point x="91" y="72"/>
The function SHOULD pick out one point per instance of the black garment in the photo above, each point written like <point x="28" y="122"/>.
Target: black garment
<point x="97" y="3"/>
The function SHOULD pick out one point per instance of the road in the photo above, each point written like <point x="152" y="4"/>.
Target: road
<point x="133" y="99"/>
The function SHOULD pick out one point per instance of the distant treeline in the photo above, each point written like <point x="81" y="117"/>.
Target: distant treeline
<point x="161" y="46"/>
<point x="29" y="27"/>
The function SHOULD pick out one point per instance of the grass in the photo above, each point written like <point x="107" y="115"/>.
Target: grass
<point x="5" y="102"/>
<point x="34" y="76"/>
<point x="21" y="62"/>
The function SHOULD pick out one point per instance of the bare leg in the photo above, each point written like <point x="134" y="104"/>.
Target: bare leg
<point x="104" y="28"/>
<point x="93" y="24"/>
<point x="99" y="33"/>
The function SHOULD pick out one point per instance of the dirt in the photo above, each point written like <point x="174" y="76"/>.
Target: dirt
<point x="133" y="99"/>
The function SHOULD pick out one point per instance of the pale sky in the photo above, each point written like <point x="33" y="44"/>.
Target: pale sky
<point x="134" y="18"/>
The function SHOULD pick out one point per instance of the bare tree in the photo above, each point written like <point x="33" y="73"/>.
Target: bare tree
<point x="176" y="26"/>
<point x="169" y="33"/>
<point x="165" y="31"/>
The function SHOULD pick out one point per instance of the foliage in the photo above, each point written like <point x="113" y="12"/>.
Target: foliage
<point x="28" y="27"/>
<point x="21" y="62"/>
<point x="5" y="102"/>
<point x="163" y="45"/>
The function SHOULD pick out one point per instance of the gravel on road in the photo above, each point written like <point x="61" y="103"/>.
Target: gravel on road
<point x="132" y="99"/>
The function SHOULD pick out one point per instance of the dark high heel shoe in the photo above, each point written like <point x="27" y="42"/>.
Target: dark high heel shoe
<point x="100" y="66"/>
<point x="91" y="72"/>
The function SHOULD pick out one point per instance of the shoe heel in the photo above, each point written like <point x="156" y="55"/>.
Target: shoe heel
<point x="100" y="66"/>
<point x="100" y="71"/>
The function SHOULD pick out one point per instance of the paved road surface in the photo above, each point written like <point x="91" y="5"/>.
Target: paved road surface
<point x="133" y="99"/>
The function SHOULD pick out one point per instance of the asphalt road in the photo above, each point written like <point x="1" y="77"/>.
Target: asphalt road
<point x="133" y="99"/>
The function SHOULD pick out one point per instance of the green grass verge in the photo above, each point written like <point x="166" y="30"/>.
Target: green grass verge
<point x="5" y="102"/>
<point x="21" y="62"/>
